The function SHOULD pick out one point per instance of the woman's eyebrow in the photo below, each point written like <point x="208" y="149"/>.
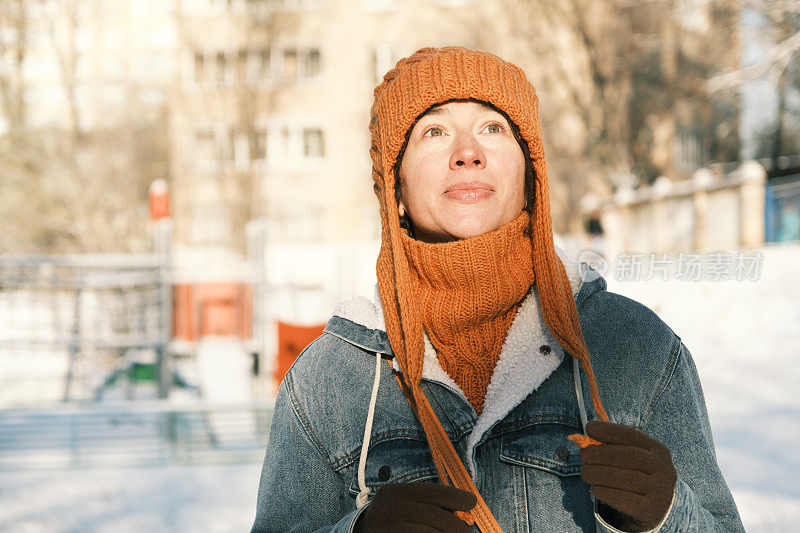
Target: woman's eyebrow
<point x="436" y="111"/>
<point x="485" y="110"/>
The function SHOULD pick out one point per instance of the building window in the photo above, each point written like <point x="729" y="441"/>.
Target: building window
<point x="258" y="145"/>
<point x="241" y="65"/>
<point x="199" y="67"/>
<point x="256" y="65"/>
<point x="689" y="153"/>
<point x="205" y="147"/>
<point x="262" y="63"/>
<point x="300" y="64"/>
<point x="311" y="66"/>
<point x="382" y="62"/>
<point x="221" y="64"/>
<point x="213" y="67"/>
<point x="229" y="147"/>
<point x="312" y="143"/>
<point x="289" y="70"/>
<point x="277" y="143"/>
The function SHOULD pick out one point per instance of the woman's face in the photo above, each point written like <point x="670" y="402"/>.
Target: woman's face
<point x="462" y="173"/>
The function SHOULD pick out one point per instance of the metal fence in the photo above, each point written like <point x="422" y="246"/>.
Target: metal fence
<point x="132" y="434"/>
<point x="782" y="213"/>
<point x="69" y="322"/>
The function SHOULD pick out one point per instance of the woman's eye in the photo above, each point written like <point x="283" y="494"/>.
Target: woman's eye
<point x="434" y="132"/>
<point x="494" y="128"/>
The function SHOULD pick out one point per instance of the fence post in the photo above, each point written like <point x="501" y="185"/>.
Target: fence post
<point x="662" y="227"/>
<point x="74" y="343"/>
<point x="751" y="204"/>
<point x="701" y="179"/>
<point x="158" y="202"/>
<point x="163" y="239"/>
<point x="256" y="249"/>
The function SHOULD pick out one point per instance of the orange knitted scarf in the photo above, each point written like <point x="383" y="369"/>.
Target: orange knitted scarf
<point x="468" y="292"/>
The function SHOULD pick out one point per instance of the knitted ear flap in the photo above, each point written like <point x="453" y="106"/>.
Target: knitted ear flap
<point x="403" y="326"/>
<point x="552" y="283"/>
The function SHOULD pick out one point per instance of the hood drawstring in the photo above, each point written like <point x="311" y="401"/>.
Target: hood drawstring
<point x="579" y="392"/>
<point x="361" y="499"/>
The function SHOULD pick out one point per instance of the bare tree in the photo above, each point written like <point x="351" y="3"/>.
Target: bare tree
<point x="66" y="187"/>
<point x="782" y="27"/>
<point x="631" y="71"/>
<point x="14" y="20"/>
<point x="781" y="18"/>
<point x="61" y="17"/>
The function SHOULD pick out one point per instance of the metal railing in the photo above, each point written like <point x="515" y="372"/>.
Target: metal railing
<point x="132" y="434"/>
<point x="67" y="321"/>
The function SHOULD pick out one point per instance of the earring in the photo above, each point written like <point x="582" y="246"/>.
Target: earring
<point x="401" y="210"/>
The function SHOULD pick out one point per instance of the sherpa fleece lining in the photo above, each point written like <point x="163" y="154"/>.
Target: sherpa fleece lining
<point x="520" y="368"/>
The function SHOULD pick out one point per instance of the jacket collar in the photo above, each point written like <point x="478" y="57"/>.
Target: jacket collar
<point x="529" y="354"/>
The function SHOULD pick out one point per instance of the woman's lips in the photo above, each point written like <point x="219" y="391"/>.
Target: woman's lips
<point x="469" y="193"/>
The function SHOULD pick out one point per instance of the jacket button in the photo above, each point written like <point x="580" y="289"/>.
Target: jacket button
<point x="562" y="453"/>
<point x="384" y="473"/>
<point x="544" y="349"/>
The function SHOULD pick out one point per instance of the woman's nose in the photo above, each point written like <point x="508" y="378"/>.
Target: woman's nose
<point x="467" y="153"/>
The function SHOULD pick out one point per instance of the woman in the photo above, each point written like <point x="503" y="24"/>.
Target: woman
<point x="451" y="399"/>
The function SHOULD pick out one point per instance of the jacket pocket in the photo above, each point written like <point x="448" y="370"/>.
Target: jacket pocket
<point x="395" y="460"/>
<point x="544" y="447"/>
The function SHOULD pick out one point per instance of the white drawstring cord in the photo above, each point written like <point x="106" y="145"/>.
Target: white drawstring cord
<point x="361" y="499"/>
<point x="576" y="371"/>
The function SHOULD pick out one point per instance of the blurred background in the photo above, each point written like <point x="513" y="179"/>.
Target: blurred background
<point x="185" y="195"/>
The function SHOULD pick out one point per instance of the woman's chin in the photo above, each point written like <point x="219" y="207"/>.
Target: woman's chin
<point x="471" y="227"/>
<point x="457" y="224"/>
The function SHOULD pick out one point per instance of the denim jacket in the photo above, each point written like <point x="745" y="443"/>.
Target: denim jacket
<point x="517" y="450"/>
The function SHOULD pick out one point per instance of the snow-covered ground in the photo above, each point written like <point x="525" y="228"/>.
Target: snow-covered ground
<point x="745" y="340"/>
<point x="743" y="336"/>
<point x="209" y="499"/>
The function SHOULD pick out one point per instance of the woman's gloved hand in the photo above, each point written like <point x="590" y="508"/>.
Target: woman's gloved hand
<point x="631" y="472"/>
<point x="416" y="507"/>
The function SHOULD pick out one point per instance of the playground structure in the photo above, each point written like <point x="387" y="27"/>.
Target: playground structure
<point x="87" y="328"/>
<point x="162" y="357"/>
<point x="67" y="322"/>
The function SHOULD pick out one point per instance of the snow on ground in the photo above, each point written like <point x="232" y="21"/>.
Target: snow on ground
<point x="742" y="335"/>
<point x="209" y="499"/>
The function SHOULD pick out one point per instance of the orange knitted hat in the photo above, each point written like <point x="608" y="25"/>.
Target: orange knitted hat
<point x="432" y="76"/>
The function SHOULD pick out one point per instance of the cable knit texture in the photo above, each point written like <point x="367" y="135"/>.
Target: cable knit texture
<point x="468" y="292"/>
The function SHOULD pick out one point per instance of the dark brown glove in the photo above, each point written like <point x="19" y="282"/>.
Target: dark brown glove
<point x="630" y="472"/>
<point x="416" y="507"/>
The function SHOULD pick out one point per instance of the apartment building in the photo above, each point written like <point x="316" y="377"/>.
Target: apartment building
<point x="270" y="115"/>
